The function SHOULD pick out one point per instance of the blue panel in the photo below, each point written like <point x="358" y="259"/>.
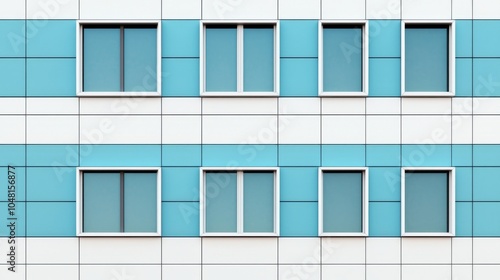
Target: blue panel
<point x="463" y="219"/>
<point x="299" y="184"/>
<point x="140" y="59"/>
<point x="240" y="155"/>
<point x="426" y="155"/>
<point x="299" y="38"/>
<point x="258" y="202"/>
<point x="463" y="35"/>
<point x="385" y="77"/>
<point x="120" y="155"/>
<point x="383" y="155"/>
<point x="299" y="155"/>
<point x="485" y="219"/>
<point x="343" y="155"/>
<point x="486" y="155"/>
<point x="299" y="77"/>
<point x="20" y="216"/>
<point x="101" y="202"/>
<point x="51" y="77"/>
<point x="463" y="184"/>
<point x="19" y="177"/>
<point x="485" y="43"/>
<point x="221" y="58"/>
<point x="54" y="39"/>
<point x="180" y="38"/>
<point x="299" y="219"/>
<point x="51" y="219"/>
<point x="53" y="155"/>
<point x="385" y="38"/>
<point x="12" y="155"/>
<point x="461" y="155"/>
<point x="385" y="219"/>
<point x="13" y="37"/>
<point x="486" y="76"/>
<point x="12" y="71"/>
<point x="463" y="81"/>
<point x="180" y="219"/>
<point x="181" y="155"/>
<point x="50" y="184"/>
<point x="180" y="184"/>
<point x="258" y="58"/>
<point x="385" y="184"/>
<point x="221" y="202"/>
<point x="140" y="202"/>
<point x="181" y="77"/>
<point x="486" y="184"/>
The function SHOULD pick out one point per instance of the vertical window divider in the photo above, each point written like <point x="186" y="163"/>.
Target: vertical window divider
<point x="122" y="202"/>
<point x="122" y="58"/>
<point x="240" y="58"/>
<point x="239" y="201"/>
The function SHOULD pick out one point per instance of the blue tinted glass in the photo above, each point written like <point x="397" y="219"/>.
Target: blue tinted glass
<point x="343" y="58"/>
<point x="139" y="202"/>
<point x="258" y="59"/>
<point x="101" y="202"/>
<point x="220" y="201"/>
<point x="101" y="59"/>
<point x="140" y="59"/>
<point x="221" y="69"/>
<point x="258" y="202"/>
<point x="426" y="62"/>
<point x="426" y="201"/>
<point x="342" y="202"/>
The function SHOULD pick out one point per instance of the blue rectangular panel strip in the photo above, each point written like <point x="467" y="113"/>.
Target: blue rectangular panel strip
<point x="384" y="77"/>
<point x="180" y="219"/>
<point x="53" y="155"/>
<point x="181" y="184"/>
<point x="385" y="219"/>
<point x="299" y="38"/>
<point x="181" y="155"/>
<point x="299" y="184"/>
<point x="385" y="183"/>
<point x="180" y="38"/>
<point x="463" y="41"/>
<point x="12" y="155"/>
<point x="485" y="219"/>
<point x="383" y="155"/>
<point x="13" y="33"/>
<point x="486" y="155"/>
<point x="299" y="219"/>
<point x="299" y="155"/>
<point x="12" y="76"/>
<point x="180" y="77"/>
<point x="51" y="77"/>
<point x="343" y="155"/>
<point x="299" y="77"/>
<point x="51" y="184"/>
<point x="53" y="38"/>
<point x="463" y="184"/>
<point x="485" y="182"/>
<point x="463" y="217"/>
<point x="120" y="155"/>
<point x="240" y="155"/>
<point x="51" y="219"/>
<point x="15" y="183"/>
<point x="385" y="38"/>
<point x="426" y="155"/>
<point x="20" y="223"/>
<point x="483" y="39"/>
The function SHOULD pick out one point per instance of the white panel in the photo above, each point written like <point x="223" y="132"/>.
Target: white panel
<point x="240" y="272"/>
<point x="52" y="272"/>
<point x="486" y="106"/>
<point x="483" y="129"/>
<point x="343" y="130"/>
<point x="12" y="9"/>
<point x="426" y="9"/>
<point x="240" y="250"/>
<point x="52" y="250"/>
<point x="426" y="105"/>
<point x="239" y="129"/>
<point x="383" y="250"/>
<point x="461" y="250"/>
<point x="299" y="250"/>
<point x="19" y="274"/>
<point x="383" y="272"/>
<point x="343" y="106"/>
<point x="383" y="130"/>
<point x="120" y="130"/>
<point x="52" y="130"/>
<point x="119" y="272"/>
<point x="462" y="129"/>
<point x="295" y="129"/>
<point x="305" y="271"/>
<point x="228" y="9"/>
<point x="181" y="250"/>
<point x="485" y="272"/>
<point x="427" y="272"/>
<point x="182" y="272"/>
<point x="462" y="272"/>
<point x="383" y="106"/>
<point x="486" y="250"/>
<point x="462" y="9"/>
<point x="11" y="106"/>
<point x="426" y="250"/>
<point x="52" y="9"/>
<point x="181" y="9"/>
<point x="344" y="272"/>
<point x="52" y="106"/>
<point x="299" y="105"/>
<point x="120" y="9"/>
<point x="383" y="9"/>
<point x="181" y="106"/>
<point x="181" y="130"/>
<point x="120" y="106"/>
<point x="239" y="106"/>
<point x="15" y="127"/>
<point x="486" y="9"/>
<point x="118" y="250"/>
<point x="343" y="9"/>
<point x="465" y="106"/>
<point x="299" y="9"/>
<point x="20" y="250"/>
<point x="426" y="129"/>
<point x="343" y="250"/>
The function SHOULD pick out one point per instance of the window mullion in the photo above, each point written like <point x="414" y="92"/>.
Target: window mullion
<point x="240" y="54"/>
<point x="239" y="202"/>
<point x="122" y="202"/>
<point x="122" y="59"/>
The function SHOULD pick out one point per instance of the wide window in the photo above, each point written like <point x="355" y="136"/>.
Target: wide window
<point x="242" y="202"/>
<point x="118" y="201"/>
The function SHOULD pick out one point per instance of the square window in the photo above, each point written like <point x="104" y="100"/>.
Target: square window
<point x="239" y="59"/>
<point x="239" y="202"/>
<point x="119" y="59"/>
<point x="428" y="201"/>
<point x="343" y="202"/>
<point x="428" y="58"/>
<point x="343" y="61"/>
<point x="118" y="201"/>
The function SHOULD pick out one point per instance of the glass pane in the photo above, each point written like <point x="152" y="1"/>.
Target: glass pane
<point x="140" y="59"/>
<point x="221" y="53"/>
<point x="140" y="205"/>
<point x="101" y="59"/>
<point x="258" y="202"/>
<point x="258" y="59"/>
<point x="220" y="201"/>
<point x="343" y="59"/>
<point x="101" y="202"/>
<point x="342" y="202"/>
<point x="426" y="62"/>
<point x="426" y="201"/>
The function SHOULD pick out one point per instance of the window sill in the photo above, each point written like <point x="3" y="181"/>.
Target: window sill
<point x="427" y="94"/>
<point x="239" y="94"/>
<point x="119" y="94"/>
<point x="343" y="94"/>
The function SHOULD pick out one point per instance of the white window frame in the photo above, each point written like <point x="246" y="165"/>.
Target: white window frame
<point x="79" y="201"/>
<point x="239" y="203"/>
<point x="365" y="58"/>
<point x="364" y="171"/>
<point x="79" y="59"/>
<point x="451" y="58"/>
<point x="239" y="76"/>
<point x="451" y="201"/>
